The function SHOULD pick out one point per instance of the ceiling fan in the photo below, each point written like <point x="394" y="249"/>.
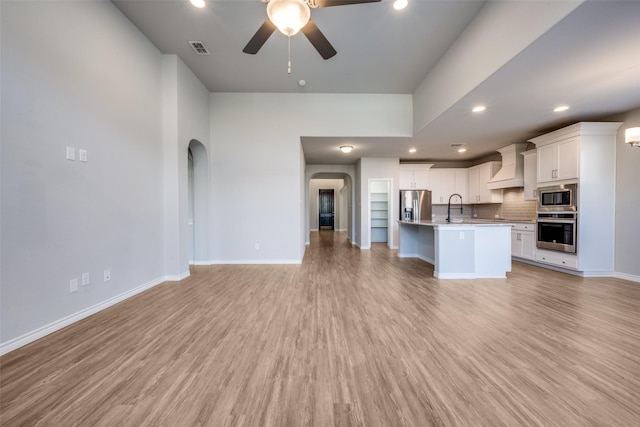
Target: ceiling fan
<point x="291" y="16"/>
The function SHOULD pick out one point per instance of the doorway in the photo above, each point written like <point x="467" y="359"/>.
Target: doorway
<point x="198" y="203"/>
<point x="326" y="209"/>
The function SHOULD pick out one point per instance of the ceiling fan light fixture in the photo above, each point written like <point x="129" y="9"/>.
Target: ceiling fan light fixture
<point x="289" y="16"/>
<point x="346" y="148"/>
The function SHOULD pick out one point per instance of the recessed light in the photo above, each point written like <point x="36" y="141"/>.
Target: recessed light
<point x="478" y="108"/>
<point x="561" y="108"/>
<point x="400" y="4"/>
<point x="412" y="150"/>
<point x="198" y="3"/>
<point x="346" y="148"/>
<point x="461" y="150"/>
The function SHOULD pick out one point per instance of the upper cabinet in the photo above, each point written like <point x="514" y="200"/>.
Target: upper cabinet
<point x="558" y="161"/>
<point x="447" y="181"/>
<point x="478" y="178"/>
<point x="530" y="175"/>
<point x="414" y="176"/>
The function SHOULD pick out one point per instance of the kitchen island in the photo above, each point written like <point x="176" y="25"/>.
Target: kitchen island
<point x="467" y="249"/>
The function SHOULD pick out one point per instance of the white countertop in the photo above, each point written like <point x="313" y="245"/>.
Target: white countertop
<point x="461" y="222"/>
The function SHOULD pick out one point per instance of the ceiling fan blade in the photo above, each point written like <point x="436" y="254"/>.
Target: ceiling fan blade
<point x="329" y="3"/>
<point x="259" y="38"/>
<point x="318" y="40"/>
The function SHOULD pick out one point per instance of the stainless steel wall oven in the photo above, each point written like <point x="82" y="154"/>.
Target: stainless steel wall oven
<point x="558" y="218"/>
<point x="557" y="231"/>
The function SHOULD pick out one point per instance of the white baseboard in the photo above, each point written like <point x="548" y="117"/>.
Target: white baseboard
<point x="626" y="276"/>
<point x="38" y="333"/>
<point x="256" y="261"/>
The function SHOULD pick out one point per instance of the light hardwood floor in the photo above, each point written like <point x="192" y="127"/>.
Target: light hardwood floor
<point x="349" y="337"/>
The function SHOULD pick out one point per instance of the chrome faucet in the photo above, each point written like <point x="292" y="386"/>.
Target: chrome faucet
<point x="449" y="206"/>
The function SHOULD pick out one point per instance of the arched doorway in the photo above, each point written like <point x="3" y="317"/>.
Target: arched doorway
<point x="199" y="204"/>
<point x="342" y="185"/>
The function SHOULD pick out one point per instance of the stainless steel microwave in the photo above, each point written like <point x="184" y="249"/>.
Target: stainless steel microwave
<point x="559" y="198"/>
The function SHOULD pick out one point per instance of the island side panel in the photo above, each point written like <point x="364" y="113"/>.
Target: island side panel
<point x="493" y="251"/>
<point x="408" y="238"/>
<point x="416" y="241"/>
<point x="454" y="253"/>
<point x="426" y="249"/>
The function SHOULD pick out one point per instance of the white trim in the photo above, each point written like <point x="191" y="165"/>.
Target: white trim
<point x="423" y="258"/>
<point x="626" y="276"/>
<point x="256" y="261"/>
<point x="464" y="276"/>
<point x="314" y="229"/>
<point x="207" y="262"/>
<point x="42" y="331"/>
<point x="177" y="277"/>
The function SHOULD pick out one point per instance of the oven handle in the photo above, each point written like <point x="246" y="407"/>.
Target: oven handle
<point x="557" y="221"/>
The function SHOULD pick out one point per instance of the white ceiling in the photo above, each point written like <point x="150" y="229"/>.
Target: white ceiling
<point x="590" y="60"/>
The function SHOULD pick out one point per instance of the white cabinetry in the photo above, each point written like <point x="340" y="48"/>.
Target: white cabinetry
<point x="523" y="240"/>
<point x="444" y="182"/>
<point x="530" y="175"/>
<point x="583" y="153"/>
<point x="558" y="161"/>
<point x="478" y="178"/>
<point x="414" y="176"/>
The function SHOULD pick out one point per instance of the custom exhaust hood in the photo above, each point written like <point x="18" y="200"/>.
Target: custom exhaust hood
<point x="512" y="172"/>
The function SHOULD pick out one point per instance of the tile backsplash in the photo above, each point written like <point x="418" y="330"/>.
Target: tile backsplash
<point x="513" y="208"/>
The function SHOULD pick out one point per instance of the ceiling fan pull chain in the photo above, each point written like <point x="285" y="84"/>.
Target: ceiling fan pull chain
<point x="289" y="57"/>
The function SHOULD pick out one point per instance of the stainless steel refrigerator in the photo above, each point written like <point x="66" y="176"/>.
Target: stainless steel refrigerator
<point x="415" y="205"/>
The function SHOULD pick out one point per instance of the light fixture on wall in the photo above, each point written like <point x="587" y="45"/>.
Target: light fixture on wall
<point x="346" y="148"/>
<point x="632" y="136"/>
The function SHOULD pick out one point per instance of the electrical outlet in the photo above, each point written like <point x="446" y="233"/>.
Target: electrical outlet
<point x="462" y="235"/>
<point x="107" y="275"/>
<point x="71" y="153"/>
<point x="73" y="285"/>
<point x="85" y="279"/>
<point x="82" y="154"/>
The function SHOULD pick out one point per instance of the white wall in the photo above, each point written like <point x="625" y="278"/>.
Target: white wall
<point x="257" y="169"/>
<point x="627" y="243"/>
<point x="326" y="184"/>
<point x="185" y="118"/>
<point x="512" y="25"/>
<point x="62" y="218"/>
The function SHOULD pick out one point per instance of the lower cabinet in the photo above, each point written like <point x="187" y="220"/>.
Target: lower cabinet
<point x="523" y="241"/>
<point x="560" y="259"/>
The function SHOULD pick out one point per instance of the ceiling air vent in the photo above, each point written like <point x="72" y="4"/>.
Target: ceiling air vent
<point x="199" y="48"/>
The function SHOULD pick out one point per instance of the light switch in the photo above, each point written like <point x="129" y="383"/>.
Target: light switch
<point x="82" y="154"/>
<point x="85" y="279"/>
<point x="71" y="153"/>
<point x="462" y="235"/>
<point x="73" y="285"/>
